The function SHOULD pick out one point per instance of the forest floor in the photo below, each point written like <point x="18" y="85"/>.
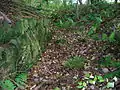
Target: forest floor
<point x="50" y="72"/>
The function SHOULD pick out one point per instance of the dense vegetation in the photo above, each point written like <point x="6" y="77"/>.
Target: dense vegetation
<point x="70" y="45"/>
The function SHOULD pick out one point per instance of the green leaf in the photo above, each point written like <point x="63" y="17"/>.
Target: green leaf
<point x="100" y="78"/>
<point x="80" y="83"/>
<point x="104" y="37"/>
<point x="95" y="37"/>
<point x="23" y="76"/>
<point x="112" y="37"/>
<point x="75" y="62"/>
<point x="80" y="87"/>
<point x="21" y="79"/>
<point x="70" y="20"/>
<point x="61" y="23"/>
<point x="99" y="20"/>
<point x="92" y="82"/>
<point x="95" y="78"/>
<point x="110" y="85"/>
<point x="91" y="31"/>
<point x="57" y="88"/>
<point x="87" y="75"/>
<point x="84" y="84"/>
<point x="8" y="85"/>
<point x="14" y="42"/>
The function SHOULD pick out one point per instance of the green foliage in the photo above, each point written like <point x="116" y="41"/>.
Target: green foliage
<point x="96" y="18"/>
<point x="113" y="74"/>
<point x="63" y="17"/>
<point x="110" y="85"/>
<point x="57" y="88"/>
<point x="22" y="44"/>
<point x="104" y="37"/>
<point x="19" y="82"/>
<point x="75" y="62"/>
<point x="61" y="41"/>
<point x="21" y="79"/>
<point x="65" y="24"/>
<point x="7" y="85"/>
<point x="95" y="80"/>
<point x="107" y="61"/>
<point x="33" y="3"/>
<point x="81" y="85"/>
<point x="92" y="30"/>
<point x="100" y="16"/>
<point x="112" y="37"/>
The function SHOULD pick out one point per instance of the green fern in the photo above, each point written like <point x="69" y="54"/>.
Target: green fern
<point x="7" y="85"/>
<point x="75" y="62"/>
<point x="112" y="37"/>
<point x="20" y="82"/>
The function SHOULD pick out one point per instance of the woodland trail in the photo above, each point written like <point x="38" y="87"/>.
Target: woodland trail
<point x="50" y="72"/>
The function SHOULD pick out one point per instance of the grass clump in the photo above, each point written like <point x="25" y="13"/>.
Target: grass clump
<point x="75" y="62"/>
<point x="61" y="41"/>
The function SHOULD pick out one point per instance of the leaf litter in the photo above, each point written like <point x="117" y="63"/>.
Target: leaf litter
<point x="50" y="72"/>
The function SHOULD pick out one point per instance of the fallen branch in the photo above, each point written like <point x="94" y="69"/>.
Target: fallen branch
<point x="5" y="18"/>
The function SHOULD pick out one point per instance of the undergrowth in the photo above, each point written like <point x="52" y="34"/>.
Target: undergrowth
<point x="75" y="62"/>
<point x="11" y="84"/>
<point x="21" y="45"/>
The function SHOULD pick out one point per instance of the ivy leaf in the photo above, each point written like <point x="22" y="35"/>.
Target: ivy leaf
<point x="80" y="87"/>
<point x="87" y="76"/>
<point x="80" y="83"/>
<point x="110" y="85"/>
<point x="84" y="84"/>
<point x="92" y="82"/>
<point x="100" y="78"/>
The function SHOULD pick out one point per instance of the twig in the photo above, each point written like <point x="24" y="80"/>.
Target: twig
<point x="5" y="18"/>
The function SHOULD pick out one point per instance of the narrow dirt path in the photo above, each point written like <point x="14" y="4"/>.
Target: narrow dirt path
<point x="50" y="72"/>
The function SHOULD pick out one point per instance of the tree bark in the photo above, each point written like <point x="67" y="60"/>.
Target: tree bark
<point x="80" y="1"/>
<point x="116" y="1"/>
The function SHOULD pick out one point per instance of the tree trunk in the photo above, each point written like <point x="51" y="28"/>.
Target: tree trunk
<point x="80" y="1"/>
<point x="116" y="1"/>
<point x="77" y="9"/>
